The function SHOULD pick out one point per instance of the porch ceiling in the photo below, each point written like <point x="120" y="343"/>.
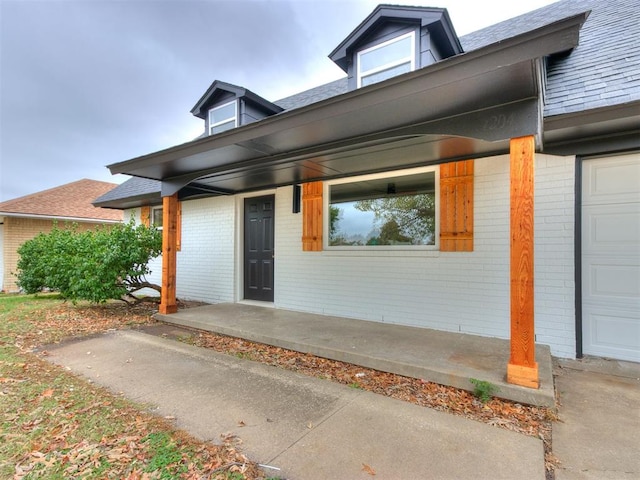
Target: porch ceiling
<point x="467" y="106"/>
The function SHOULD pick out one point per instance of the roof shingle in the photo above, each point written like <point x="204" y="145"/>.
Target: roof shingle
<point x="72" y="200"/>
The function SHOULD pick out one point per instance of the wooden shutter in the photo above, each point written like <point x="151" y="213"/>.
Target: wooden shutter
<point x="312" y="217"/>
<point x="145" y="215"/>
<point x="456" y="206"/>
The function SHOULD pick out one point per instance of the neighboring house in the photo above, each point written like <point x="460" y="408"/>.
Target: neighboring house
<point x="406" y="192"/>
<point x="25" y="217"/>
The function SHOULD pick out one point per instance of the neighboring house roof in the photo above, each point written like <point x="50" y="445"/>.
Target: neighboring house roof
<point x="72" y="200"/>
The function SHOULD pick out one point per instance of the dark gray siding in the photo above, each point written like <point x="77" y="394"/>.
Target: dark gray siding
<point x="250" y="112"/>
<point x="428" y="52"/>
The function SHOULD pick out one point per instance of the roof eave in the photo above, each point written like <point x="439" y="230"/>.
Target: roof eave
<point x="587" y="132"/>
<point x="57" y="217"/>
<point x="252" y="144"/>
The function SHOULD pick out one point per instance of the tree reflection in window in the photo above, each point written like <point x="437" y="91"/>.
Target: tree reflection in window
<point x="396" y="211"/>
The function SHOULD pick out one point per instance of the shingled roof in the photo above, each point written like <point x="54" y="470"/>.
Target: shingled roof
<point x="601" y="72"/>
<point x="72" y="201"/>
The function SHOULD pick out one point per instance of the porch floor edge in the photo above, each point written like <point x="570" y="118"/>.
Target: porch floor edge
<point x="446" y="358"/>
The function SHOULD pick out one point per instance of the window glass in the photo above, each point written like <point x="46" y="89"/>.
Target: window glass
<point x="222" y="127"/>
<point x="391" y="211"/>
<point x="156" y="217"/>
<point x="385" y="74"/>
<point x="222" y="118"/>
<point x="386" y="60"/>
<point x="386" y="54"/>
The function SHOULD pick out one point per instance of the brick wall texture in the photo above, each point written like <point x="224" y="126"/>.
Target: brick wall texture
<point x="16" y="231"/>
<point x="454" y="291"/>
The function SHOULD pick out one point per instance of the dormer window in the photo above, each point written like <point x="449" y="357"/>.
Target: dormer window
<point x="394" y="40"/>
<point x="223" y="117"/>
<point x="386" y="60"/>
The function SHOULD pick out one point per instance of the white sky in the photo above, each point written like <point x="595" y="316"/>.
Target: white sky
<point x="87" y="83"/>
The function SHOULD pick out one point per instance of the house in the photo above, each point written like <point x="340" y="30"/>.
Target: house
<point x="488" y="184"/>
<point x="23" y="218"/>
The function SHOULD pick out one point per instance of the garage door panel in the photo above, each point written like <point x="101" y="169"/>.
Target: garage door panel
<point x="611" y="257"/>
<point x="607" y="281"/>
<point x="613" y="334"/>
<point x="614" y="180"/>
<point x="613" y="229"/>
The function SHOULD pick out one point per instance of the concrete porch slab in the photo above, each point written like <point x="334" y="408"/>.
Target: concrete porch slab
<point x="442" y="357"/>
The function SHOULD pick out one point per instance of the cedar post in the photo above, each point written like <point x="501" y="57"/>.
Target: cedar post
<point x="168" y="302"/>
<point x="522" y="368"/>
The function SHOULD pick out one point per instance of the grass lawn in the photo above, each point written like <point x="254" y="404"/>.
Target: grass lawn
<point x="55" y="425"/>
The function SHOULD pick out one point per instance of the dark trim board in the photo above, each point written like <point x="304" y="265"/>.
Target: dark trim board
<point x="577" y="235"/>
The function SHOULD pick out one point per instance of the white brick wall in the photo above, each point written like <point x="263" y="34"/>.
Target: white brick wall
<point x="554" y="254"/>
<point x="453" y="291"/>
<point x="206" y="262"/>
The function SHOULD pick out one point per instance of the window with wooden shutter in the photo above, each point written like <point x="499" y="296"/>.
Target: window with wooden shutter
<point x="312" y="217"/>
<point x="145" y="215"/>
<point x="456" y="206"/>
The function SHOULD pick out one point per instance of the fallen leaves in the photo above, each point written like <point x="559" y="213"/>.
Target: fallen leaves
<point x="525" y="419"/>
<point x="58" y="321"/>
<point x="55" y="425"/>
<point x="367" y="469"/>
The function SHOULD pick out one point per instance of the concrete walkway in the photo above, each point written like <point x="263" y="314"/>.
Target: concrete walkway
<point x="309" y="428"/>
<point x="597" y="436"/>
<point x="442" y="357"/>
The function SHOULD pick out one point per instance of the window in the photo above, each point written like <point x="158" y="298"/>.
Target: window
<point x="383" y="211"/>
<point x="156" y="217"/>
<point x="386" y="60"/>
<point x="223" y="118"/>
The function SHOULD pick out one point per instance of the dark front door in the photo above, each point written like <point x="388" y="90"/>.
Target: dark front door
<point x="258" y="248"/>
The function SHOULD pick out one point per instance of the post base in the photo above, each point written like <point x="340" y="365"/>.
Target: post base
<point x="523" y="376"/>
<point x="167" y="309"/>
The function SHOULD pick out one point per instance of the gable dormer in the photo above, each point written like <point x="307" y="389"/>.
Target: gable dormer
<point x="394" y="40"/>
<point x="225" y="106"/>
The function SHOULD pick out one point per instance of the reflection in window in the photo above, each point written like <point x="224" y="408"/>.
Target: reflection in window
<point x="156" y="217"/>
<point x="222" y="118"/>
<point x="386" y="60"/>
<point x="392" y="211"/>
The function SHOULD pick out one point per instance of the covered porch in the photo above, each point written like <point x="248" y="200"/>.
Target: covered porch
<point x="480" y="104"/>
<point x="442" y="357"/>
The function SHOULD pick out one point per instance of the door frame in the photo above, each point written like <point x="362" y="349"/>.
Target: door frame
<point x="239" y="245"/>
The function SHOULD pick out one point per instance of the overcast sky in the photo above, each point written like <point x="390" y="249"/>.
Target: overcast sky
<point x="87" y="83"/>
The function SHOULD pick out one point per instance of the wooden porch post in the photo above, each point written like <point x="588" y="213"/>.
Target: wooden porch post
<point x="169" y="250"/>
<point x="522" y="368"/>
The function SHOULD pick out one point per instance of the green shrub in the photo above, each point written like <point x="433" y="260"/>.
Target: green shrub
<point x="109" y="262"/>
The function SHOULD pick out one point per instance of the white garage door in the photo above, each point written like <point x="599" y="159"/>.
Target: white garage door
<point x="611" y="257"/>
